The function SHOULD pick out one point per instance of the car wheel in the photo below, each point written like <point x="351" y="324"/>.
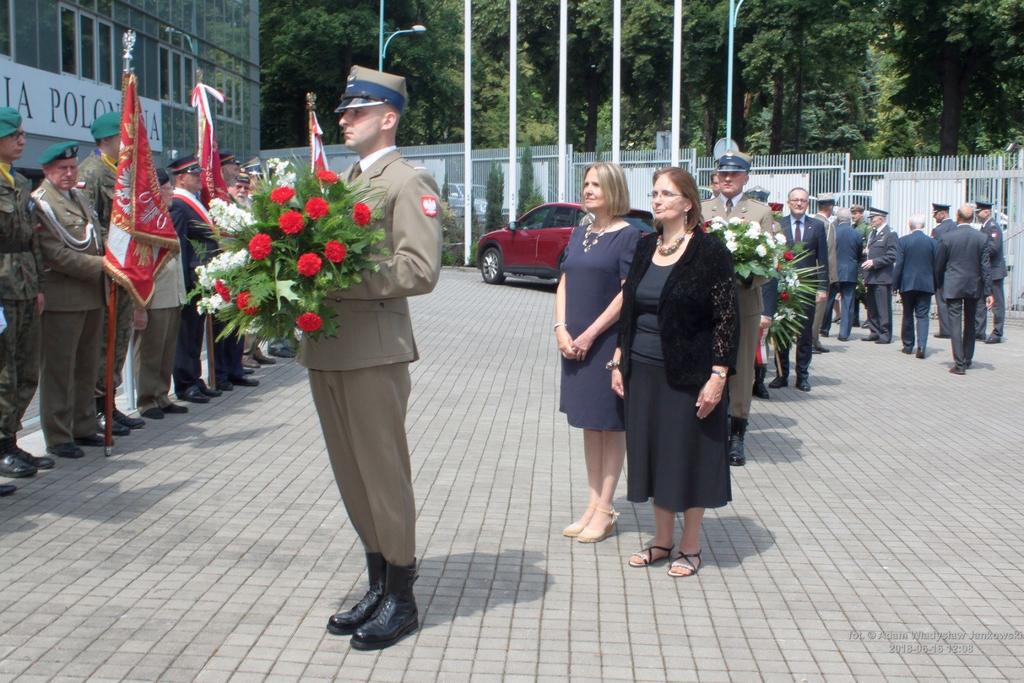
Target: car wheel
<point x="490" y="267"/>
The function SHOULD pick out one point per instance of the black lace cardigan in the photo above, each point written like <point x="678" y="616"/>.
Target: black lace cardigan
<point x="697" y="313"/>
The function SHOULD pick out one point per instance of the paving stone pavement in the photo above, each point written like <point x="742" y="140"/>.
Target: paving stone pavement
<point x="875" y="533"/>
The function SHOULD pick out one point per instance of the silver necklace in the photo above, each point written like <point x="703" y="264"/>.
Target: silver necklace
<point x="590" y="238"/>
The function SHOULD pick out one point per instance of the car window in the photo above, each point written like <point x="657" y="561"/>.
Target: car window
<point x="564" y="217"/>
<point x="534" y="219"/>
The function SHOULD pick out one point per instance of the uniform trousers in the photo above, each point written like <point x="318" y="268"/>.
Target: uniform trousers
<point x="942" y="310"/>
<point x="741" y="385"/>
<point x="155" y="348"/>
<point x="847" y="308"/>
<point x="123" y="330"/>
<point x="917" y="306"/>
<point x="879" y="303"/>
<point x="961" y="329"/>
<point x="228" y="360"/>
<point x="70" y="357"/>
<point x="827" y="314"/>
<point x="362" y="414"/>
<point x="187" y="366"/>
<point x="19" y="363"/>
<point x="804" y="348"/>
<point x="998" y="312"/>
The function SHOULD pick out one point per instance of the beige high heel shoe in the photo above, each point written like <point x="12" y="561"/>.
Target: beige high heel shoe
<point x="587" y="536"/>
<point x="574" y="529"/>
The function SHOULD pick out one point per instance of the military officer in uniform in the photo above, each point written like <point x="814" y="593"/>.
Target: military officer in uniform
<point x="733" y="172"/>
<point x="943" y="225"/>
<point x="97" y="177"/>
<point x="360" y="379"/>
<point x="878" y="272"/>
<point x="824" y="310"/>
<point x="21" y="304"/>
<point x="75" y="288"/>
<point x="990" y="227"/>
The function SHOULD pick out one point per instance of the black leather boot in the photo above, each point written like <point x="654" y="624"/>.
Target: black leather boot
<point x="760" y="390"/>
<point x="739" y="429"/>
<point x="345" y="623"/>
<point x="396" y="617"/>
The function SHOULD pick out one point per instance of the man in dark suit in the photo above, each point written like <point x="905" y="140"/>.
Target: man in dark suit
<point x="849" y="251"/>
<point x="963" y="270"/>
<point x="943" y="224"/>
<point x="806" y="234"/>
<point x="914" y="278"/>
<point x="881" y="257"/>
<point x="990" y="228"/>
<point x="190" y="222"/>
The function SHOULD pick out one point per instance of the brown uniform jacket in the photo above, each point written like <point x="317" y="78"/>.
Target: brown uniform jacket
<point x="21" y="261"/>
<point x="374" y="327"/>
<point x="747" y="209"/>
<point x="74" y="279"/>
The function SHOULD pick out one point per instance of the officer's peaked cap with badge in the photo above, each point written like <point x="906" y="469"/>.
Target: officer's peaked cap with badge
<point x="106" y="126"/>
<point x="369" y="88"/>
<point x="10" y="121"/>
<point x="939" y="207"/>
<point x="58" y="151"/>
<point x="877" y="212"/>
<point x="185" y="164"/>
<point x="982" y="204"/>
<point x="733" y="160"/>
<point x="827" y="199"/>
<point x="227" y="157"/>
<point x="253" y="166"/>
<point x="757" y="193"/>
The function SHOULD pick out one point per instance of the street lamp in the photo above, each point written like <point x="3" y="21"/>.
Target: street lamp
<point x="191" y="42"/>
<point x="734" y="12"/>
<point x="417" y="28"/>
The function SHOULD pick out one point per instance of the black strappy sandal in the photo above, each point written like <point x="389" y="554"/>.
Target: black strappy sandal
<point x="649" y="552"/>
<point x="684" y="561"/>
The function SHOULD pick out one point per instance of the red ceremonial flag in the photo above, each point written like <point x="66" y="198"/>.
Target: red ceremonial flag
<point x="316" y="144"/>
<point x="141" y="233"/>
<point x="207" y="154"/>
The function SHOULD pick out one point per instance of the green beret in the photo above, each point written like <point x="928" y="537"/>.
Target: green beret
<point x="60" y="150"/>
<point x="10" y="121"/>
<point x="106" y="126"/>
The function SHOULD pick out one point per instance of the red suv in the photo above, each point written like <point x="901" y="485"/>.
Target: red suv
<point x="535" y="244"/>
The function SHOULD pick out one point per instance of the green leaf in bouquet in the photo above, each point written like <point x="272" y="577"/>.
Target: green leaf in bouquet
<point x="743" y="270"/>
<point x="286" y="290"/>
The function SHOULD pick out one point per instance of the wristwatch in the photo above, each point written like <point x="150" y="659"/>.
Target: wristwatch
<point x="722" y="374"/>
<point x="612" y="364"/>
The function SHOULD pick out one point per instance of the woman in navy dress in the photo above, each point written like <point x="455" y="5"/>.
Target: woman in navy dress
<point x="587" y="307"/>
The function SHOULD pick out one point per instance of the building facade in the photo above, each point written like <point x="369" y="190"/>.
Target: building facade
<point x="61" y="63"/>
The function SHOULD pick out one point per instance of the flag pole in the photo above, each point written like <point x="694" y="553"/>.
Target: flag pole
<point x="310" y="108"/>
<point x="211" y="363"/>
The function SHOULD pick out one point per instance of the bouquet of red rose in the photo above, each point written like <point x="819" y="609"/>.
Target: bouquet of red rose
<point x="309" y="235"/>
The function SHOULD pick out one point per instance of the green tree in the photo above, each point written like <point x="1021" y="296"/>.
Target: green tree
<point x="495" y="198"/>
<point x="528" y="195"/>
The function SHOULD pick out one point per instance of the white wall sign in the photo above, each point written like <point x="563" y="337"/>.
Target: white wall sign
<point x="61" y="106"/>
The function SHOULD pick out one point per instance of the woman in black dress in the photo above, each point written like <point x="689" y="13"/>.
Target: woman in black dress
<point x="586" y="310"/>
<point x="676" y="348"/>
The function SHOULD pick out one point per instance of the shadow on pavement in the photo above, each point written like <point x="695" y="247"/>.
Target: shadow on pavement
<point x="730" y="539"/>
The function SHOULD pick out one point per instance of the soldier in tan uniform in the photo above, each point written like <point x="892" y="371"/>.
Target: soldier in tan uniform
<point x="97" y="176"/>
<point x="733" y="172"/>
<point x="21" y="303"/>
<point x="360" y="379"/>
<point x="75" y="284"/>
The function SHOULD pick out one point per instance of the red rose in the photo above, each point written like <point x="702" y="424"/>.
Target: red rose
<point x="309" y="264"/>
<point x="361" y="213"/>
<point x="222" y="289"/>
<point x="316" y="208"/>
<point x="281" y="195"/>
<point x="788" y="256"/>
<point x="309" y="322"/>
<point x="242" y="302"/>
<point x="335" y="251"/>
<point x="775" y="206"/>
<point x="291" y="222"/>
<point x="327" y="177"/>
<point x="259" y="246"/>
<point x="784" y="296"/>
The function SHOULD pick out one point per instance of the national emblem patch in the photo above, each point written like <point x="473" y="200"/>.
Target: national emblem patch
<point x="429" y="205"/>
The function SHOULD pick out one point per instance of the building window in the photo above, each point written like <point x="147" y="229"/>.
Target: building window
<point x="86" y="46"/>
<point x="177" y="75"/>
<point x="68" y="43"/>
<point x="106" y="47"/>
<point x="5" y="27"/>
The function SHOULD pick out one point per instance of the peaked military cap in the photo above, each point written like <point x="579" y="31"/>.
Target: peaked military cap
<point x="827" y="199"/>
<point x="939" y="207"/>
<point x="758" y="193"/>
<point x="734" y="160"/>
<point x="162" y="177"/>
<point x="10" y="121"/>
<point x="242" y="179"/>
<point x="368" y="88"/>
<point x="227" y="157"/>
<point x="185" y="164"/>
<point x="106" y="126"/>
<point x="253" y="166"/>
<point x="982" y="204"/>
<point x="877" y="212"/>
<point x="57" y="151"/>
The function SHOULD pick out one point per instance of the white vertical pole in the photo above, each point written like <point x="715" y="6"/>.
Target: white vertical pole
<point x="513" y="67"/>
<point x="467" y="125"/>
<point x="563" y="54"/>
<point x="616" y="77"/>
<point x="677" y="64"/>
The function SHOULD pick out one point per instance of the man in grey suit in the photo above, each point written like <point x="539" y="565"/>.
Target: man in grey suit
<point x="881" y="257"/>
<point x="914" y="278"/>
<point x="943" y="224"/>
<point x="963" y="270"/>
<point x="360" y="379"/>
<point x="990" y="227"/>
<point x="849" y="251"/>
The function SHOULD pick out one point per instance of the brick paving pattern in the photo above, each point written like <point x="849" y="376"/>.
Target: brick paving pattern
<point x="874" y="534"/>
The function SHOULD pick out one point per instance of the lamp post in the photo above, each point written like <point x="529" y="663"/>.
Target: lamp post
<point x="734" y="12"/>
<point x="417" y="28"/>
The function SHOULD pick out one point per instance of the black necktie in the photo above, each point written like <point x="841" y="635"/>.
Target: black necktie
<point x="357" y="170"/>
<point x="799" y="233"/>
<point x="728" y="204"/>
